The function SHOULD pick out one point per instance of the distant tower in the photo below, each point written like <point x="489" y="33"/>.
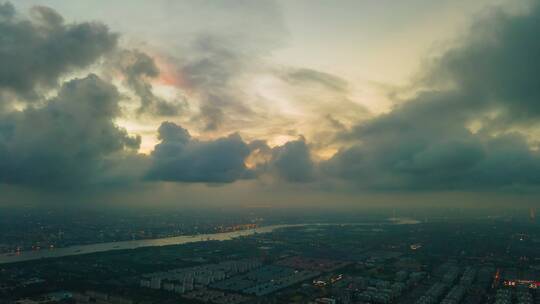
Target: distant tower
<point x="532" y="215"/>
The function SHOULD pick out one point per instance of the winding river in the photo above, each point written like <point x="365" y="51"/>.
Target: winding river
<point x="101" y="247"/>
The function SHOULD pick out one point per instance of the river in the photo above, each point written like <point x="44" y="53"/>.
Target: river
<point x="101" y="247"/>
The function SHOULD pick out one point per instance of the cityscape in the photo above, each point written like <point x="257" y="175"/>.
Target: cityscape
<point x="371" y="260"/>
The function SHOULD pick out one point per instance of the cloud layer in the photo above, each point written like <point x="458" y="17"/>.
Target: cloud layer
<point x="470" y="129"/>
<point x="471" y="124"/>
<point x="139" y="69"/>
<point x="36" y="52"/>
<point x="179" y="157"/>
<point x="70" y="141"/>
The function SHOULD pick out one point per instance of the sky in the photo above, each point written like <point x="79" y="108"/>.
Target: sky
<point x="269" y="103"/>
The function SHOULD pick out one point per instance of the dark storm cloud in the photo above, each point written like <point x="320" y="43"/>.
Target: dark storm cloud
<point x="179" y="157"/>
<point x="407" y="159"/>
<point x="7" y="10"/>
<point x="426" y="143"/>
<point x="70" y="141"/>
<point x="290" y="162"/>
<point x="36" y="52"/>
<point x="138" y="69"/>
<point x="499" y="62"/>
<point x="422" y="144"/>
<point x="293" y="162"/>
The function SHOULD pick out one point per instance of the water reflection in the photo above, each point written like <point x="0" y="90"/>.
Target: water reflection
<point x="20" y="256"/>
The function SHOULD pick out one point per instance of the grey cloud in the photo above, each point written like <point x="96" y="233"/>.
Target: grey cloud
<point x="414" y="146"/>
<point x="7" y="10"/>
<point x="170" y="132"/>
<point x="260" y="145"/>
<point x="499" y="63"/>
<point x="216" y="60"/>
<point x="46" y="16"/>
<point x="293" y="162"/>
<point x="139" y="69"/>
<point x="179" y="157"/>
<point x="425" y="144"/>
<point x="327" y="99"/>
<point x="290" y="162"/>
<point x="70" y="141"/>
<point x="309" y="76"/>
<point x="335" y="123"/>
<point x="213" y="74"/>
<point x="36" y="52"/>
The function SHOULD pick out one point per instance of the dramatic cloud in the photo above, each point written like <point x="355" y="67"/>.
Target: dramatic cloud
<point x="179" y="157"/>
<point x="324" y="103"/>
<point x="418" y="147"/>
<point x="218" y="63"/>
<point x="460" y="136"/>
<point x="292" y="161"/>
<point x="36" y="52"/>
<point x="471" y="125"/>
<point x="499" y="63"/>
<point x="213" y="75"/>
<point x="70" y="141"/>
<point x="139" y="69"/>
